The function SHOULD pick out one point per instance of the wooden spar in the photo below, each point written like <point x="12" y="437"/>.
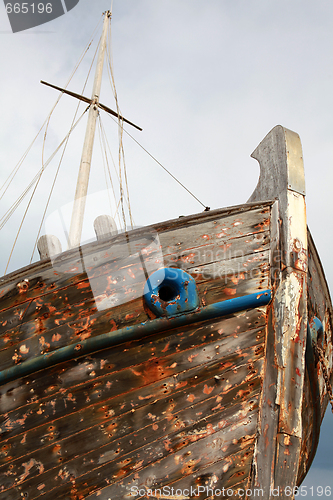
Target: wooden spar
<point x="89" y="101"/>
<point x="83" y="178"/>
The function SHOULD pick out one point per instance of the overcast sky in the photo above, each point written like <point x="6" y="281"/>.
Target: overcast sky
<point x="206" y="80"/>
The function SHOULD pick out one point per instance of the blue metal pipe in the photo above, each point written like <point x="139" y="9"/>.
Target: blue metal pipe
<point x="134" y="332"/>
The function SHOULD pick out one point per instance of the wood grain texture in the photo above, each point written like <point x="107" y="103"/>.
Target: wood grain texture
<point x="265" y="445"/>
<point x="319" y="305"/>
<point x="210" y="393"/>
<point x="216" y="404"/>
<point x="282" y="178"/>
<point x="176" y="408"/>
<point x="69" y="311"/>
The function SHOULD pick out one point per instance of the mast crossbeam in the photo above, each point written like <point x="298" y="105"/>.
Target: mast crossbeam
<point x="91" y="101"/>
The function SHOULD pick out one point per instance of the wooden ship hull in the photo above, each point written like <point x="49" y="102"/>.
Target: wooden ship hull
<point x="189" y="359"/>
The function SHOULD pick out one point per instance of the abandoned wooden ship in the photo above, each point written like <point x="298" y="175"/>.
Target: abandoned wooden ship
<point x="187" y="359"/>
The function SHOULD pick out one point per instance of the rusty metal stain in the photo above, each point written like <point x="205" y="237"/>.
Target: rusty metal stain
<point x="170" y="405"/>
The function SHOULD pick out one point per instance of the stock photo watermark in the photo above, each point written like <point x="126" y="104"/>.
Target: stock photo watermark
<point x="195" y="492"/>
<point x="23" y="15"/>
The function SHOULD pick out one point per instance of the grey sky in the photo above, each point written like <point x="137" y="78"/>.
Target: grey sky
<point x="206" y="80"/>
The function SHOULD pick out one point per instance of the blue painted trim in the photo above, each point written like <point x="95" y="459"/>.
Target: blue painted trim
<point x="181" y="287"/>
<point x="135" y="332"/>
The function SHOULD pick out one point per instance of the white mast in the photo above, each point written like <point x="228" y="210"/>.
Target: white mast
<point x="83" y="178"/>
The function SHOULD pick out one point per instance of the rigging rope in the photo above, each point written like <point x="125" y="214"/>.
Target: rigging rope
<point x="12" y="209"/>
<point x="121" y="126"/>
<point x="36" y="179"/>
<point x="160" y="164"/>
<point x="18" y="165"/>
<point x="121" y="153"/>
<point x="12" y="175"/>
<point x="122" y="171"/>
<point x="105" y="142"/>
<point x="106" y="165"/>
<point x="62" y="155"/>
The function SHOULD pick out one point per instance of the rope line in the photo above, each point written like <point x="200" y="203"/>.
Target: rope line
<point x="105" y="141"/>
<point x="121" y="173"/>
<point x="12" y="209"/>
<point x="121" y="153"/>
<point x="106" y="163"/>
<point x="11" y="177"/>
<point x="63" y="153"/>
<point x="18" y="165"/>
<point x="25" y="192"/>
<point x="160" y="164"/>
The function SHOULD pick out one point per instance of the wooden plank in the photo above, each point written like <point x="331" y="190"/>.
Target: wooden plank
<point x="218" y="241"/>
<point x="308" y="416"/>
<point x="43" y="277"/>
<point x="124" y="279"/>
<point x="183" y="373"/>
<point x="282" y="178"/>
<point x="170" y="462"/>
<point x="210" y="371"/>
<point x="22" y="343"/>
<point x="69" y="387"/>
<point x="265" y="447"/>
<point x="319" y="305"/>
<point x="113" y="418"/>
<point x="56" y="309"/>
<point x="226" y="361"/>
<point x="168" y="437"/>
<point x="62" y="327"/>
<point x="288" y="447"/>
<point x="292" y="322"/>
<point x="55" y="303"/>
<point x="219" y="477"/>
<point x="61" y="317"/>
<point x="319" y="295"/>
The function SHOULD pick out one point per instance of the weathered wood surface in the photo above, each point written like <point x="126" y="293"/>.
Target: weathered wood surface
<point x="181" y="393"/>
<point x="289" y="411"/>
<point x="232" y="223"/>
<point x="309" y="430"/>
<point x="319" y="305"/>
<point x="184" y="401"/>
<point x="282" y="178"/>
<point x="48" y="246"/>
<point x="265" y="445"/>
<point x="7" y="282"/>
<point x="218" y="404"/>
<point x="68" y="312"/>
